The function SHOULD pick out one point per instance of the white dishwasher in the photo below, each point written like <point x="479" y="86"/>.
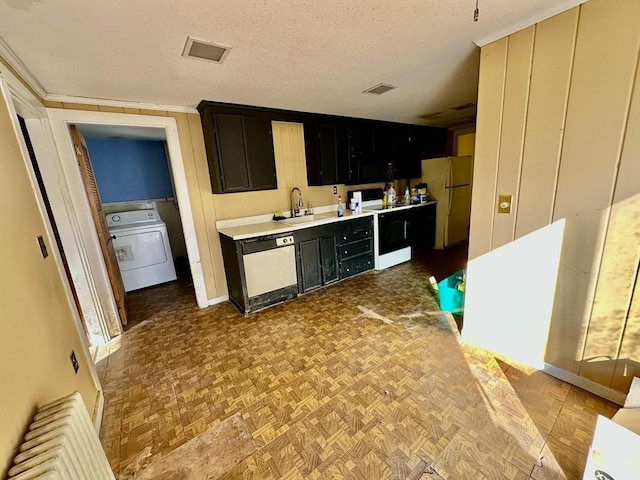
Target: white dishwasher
<point x="269" y="264"/>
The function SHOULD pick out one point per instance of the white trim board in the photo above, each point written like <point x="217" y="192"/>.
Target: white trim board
<point x="558" y="7"/>
<point x="585" y="384"/>
<point x="117" y="103"/>
<point x="217" y="300"/>
<point x="62" y="118"/>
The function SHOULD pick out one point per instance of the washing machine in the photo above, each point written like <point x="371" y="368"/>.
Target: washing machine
<point x="142" y="248"/>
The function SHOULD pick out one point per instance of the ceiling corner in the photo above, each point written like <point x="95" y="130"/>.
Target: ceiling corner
<point x="13" y="61"/>
<point x="558" y="7"/>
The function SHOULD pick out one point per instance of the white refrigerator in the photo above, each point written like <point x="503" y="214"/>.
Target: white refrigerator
<point x="448" y="181"/>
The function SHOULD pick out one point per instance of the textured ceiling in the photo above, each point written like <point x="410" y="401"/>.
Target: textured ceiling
<point x="308" y="55"/>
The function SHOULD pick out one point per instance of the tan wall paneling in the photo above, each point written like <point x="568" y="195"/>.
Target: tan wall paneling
<point x="516" y="99"/>
<point x="196" y="199"/>
<point x="619" y="265"/>
<point x="80" y="106"/>
<point x="489" y="118"/>
<point x="550" y="75"/>
<point x="50" y="104"/>
<point x="465" y="144"/>
<point x="37" y="330"/>
<point x="628" y="361"/>
<point x="213" y="264"/>
<point x="104" y="108"/>
<point x="604" y="67"/>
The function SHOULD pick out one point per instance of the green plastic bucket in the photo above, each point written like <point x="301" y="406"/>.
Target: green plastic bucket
<point x="451" y="298"/>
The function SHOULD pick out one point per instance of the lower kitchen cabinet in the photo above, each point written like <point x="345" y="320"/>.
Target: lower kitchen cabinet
<point x="329" y="259"/>
<point x="421" y="227"/>
<point x="355" y="247"/>
<point x="309" y="265"/>
<point x="331" y="252"/>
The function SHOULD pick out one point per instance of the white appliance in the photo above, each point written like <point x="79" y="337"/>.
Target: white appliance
<point x="448" y="181"/>
<point x="270" y="266"/>
<point x="142" y="248"/>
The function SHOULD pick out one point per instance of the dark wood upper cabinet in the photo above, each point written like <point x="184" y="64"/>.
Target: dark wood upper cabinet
<point x="326" y="151"/>
<point x="339" y="150"/>
<point x="260" y="156"/>
<point x="239" y="153"/>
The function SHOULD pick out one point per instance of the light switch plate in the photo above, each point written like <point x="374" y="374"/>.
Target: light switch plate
<point x="504" y="203"/>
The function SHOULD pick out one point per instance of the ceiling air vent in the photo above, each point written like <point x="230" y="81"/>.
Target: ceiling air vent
<point x="205" y="51"/>
<point x="380" y="89"/>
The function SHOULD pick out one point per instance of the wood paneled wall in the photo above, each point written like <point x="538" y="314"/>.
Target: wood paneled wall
<point x="558" y="128"/>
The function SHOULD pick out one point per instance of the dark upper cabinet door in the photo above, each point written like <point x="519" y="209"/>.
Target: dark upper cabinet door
<point x="328" y="154"/>
<point x="345" y="169"/>
<point x="259" y="151"/>
<point x="228" y="130"/>
<point x="321" y="150"/>
<point x="406" y="156"/>
<point x="312" y="154"/>
<point x="366" y="166"/>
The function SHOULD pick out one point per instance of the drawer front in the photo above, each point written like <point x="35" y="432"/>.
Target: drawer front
<point x="356" y="265"/>
<point x="356" y="234"/>
<point x="355" y="248"/>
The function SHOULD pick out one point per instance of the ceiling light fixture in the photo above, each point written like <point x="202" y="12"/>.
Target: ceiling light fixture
<point x="202" y="50"/>
<point x="380" y="89"/>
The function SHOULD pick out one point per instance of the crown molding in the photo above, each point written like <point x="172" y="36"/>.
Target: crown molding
<point x="558" y="7"/>
<point x="118" y="103"/>
<point x="20" y="68"/>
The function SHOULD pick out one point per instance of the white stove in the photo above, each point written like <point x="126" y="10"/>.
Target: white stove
<point x="390" y="233"/>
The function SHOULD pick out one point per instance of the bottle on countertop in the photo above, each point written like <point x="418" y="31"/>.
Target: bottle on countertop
<point x="407" y="197"/>
<point x="385" y="199"/>
<point x="391" y="195"/>
<point x="340" y="206"/>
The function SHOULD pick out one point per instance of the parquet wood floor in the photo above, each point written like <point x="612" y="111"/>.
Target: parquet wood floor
<point x="328" y="390"/>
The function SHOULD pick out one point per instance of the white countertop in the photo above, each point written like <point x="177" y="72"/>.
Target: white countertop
<point x="249" y="230"/>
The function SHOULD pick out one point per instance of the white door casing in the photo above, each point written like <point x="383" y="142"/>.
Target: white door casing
<point x="20" y="101"/>
<point x="60" y="120"/>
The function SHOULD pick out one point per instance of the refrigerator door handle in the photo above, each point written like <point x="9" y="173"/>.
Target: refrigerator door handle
<point x="450" y="180"/>
<point x="449" y="199"/>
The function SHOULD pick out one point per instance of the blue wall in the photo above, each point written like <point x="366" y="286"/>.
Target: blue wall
<point x="128" y="170"/>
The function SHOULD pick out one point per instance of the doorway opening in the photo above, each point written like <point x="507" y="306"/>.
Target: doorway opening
<point x="130" y="171"/>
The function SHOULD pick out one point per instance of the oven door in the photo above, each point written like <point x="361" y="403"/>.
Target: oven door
<point x="392" y="232"/>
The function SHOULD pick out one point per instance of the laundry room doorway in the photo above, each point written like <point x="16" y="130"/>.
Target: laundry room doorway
<point x="137" y="166"/>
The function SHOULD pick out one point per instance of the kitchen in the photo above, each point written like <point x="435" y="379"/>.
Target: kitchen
<point x="494" y="237"/>
<point x="333" y="150"/>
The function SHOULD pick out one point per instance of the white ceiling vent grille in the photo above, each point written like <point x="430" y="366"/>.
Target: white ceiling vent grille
<point x="380" y="89"/>
<point x="202" y="50"/>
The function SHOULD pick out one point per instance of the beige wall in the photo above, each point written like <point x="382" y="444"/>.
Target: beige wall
<point x="557" y="128"/>
<point x="37" y="330"/>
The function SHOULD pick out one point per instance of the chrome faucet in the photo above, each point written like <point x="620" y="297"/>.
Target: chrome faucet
<point x="295" y="208"/>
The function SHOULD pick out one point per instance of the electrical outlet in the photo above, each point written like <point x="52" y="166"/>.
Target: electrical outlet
<point x="43" y="247"/>
<point x="504" y="203"/>
<point x="335" y="189"/>
<point x="74" y="361"/>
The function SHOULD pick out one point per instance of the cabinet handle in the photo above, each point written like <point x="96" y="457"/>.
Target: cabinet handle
<point x="345" y="252"/>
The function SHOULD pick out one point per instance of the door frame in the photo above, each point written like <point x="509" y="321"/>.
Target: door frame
<point x="60" y="120"/>
<point x="21" y="101"/>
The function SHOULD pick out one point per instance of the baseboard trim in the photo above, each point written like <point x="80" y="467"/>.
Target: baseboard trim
<point x="218" y="300"/>
<point x="585" y="384"/>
